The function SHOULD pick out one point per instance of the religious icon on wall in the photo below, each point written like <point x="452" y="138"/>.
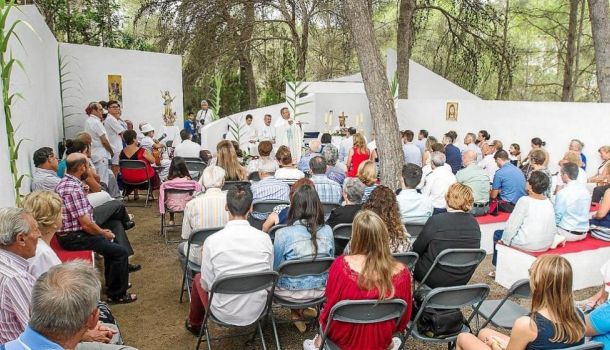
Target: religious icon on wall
<point x="115" y="88"/>
<point x="452" y="111"/>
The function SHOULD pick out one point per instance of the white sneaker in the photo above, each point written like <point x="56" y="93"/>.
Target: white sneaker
<point x="396" y="343"/>
<point x="308" y="344"/>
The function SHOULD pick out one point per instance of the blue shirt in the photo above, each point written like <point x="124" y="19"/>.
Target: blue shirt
<point x="600" y="320"/>
<point x="572" y="206"/>
<point x="294" y="243"/>
<point x="336" y="175"/>
<point x="61" y="168"/>
<point x="304" y="162"/>
<point x="511" y="183"/>
<point x="189" y="126"/>
<point x="31" y="340"/>
<point x="454" y="157"/>
<point x="328" y="190"/>
<point x="412" y="154"/>
<point x="583" y="158"/>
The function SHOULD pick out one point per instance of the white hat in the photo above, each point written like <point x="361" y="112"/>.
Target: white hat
<point x="146" y="128"/>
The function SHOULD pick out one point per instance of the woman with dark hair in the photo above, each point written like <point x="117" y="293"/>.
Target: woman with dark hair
<point x="177" y="178"/>
<point x="279" y="216"/>
<point x="537" y="144"/>
<point x="287" y="170"/>
<point x="305" y="237"/>
<point x="134" y="152"/>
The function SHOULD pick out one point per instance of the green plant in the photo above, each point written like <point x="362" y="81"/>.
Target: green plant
<point x="394" y="86"/>
<point x="216" y="91"/>
<point x="68" y="86"/>
<point x="295" y="90"/>
<point x="236" y="130"/>
<point x="7" y="62"/>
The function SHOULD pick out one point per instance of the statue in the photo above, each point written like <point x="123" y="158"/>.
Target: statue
<point x="169" y="117"/>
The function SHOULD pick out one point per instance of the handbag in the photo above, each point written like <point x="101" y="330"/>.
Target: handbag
<point x="437" y="323"/>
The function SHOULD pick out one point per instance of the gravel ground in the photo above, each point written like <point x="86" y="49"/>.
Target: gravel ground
<point x="156" y="320"/>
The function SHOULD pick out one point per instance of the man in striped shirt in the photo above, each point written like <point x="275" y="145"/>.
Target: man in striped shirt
<point x="328" y="190"/>
<point x="18" y="238"/>
<point x="268" y="188"/>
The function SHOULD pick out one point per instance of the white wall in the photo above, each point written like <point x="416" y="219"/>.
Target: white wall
<point x="556" y="123"/>
<point x="144" y="75"/>
<point x="37" y="117"/>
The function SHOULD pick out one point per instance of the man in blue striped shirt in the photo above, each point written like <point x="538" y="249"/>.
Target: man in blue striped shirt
<point x="328" y="190"/>
<point x="268" y="188"/>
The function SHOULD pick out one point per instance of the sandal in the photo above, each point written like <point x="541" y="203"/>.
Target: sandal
<point x="125" y="299"/>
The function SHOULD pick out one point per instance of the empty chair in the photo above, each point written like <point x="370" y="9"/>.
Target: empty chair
<point x="342" y="234"/>
<point x="504" y="312"/>
<point x="458" y="258"/>
<point x="408" y="258"/>
<point x="190" y="268"/>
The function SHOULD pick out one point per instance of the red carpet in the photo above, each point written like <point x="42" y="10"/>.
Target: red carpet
<point x="66" y="255"/>
<point x="588" y="243"/>
<point x="502" y="217"/>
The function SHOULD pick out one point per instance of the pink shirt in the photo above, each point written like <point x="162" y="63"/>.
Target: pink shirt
<point x="16" y="285"/>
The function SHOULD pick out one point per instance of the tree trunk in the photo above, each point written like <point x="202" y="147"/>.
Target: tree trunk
<point x="600" y="28"/>
<point x="381" y="103"/>
<point x="568" y="70"/>
<point x="504" y="62"/>
<point x="578" y="43"/>
<point x="403" y="44"/>
<point x="245" y="59"/>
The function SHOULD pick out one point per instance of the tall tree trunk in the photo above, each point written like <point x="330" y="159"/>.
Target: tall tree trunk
<point x="504" y="62"/>
<point x="245" y="59"/>
<point x="403" y="44"/>
<point x="568" y="69"/>
<point x="600" y="28"/>
<point x="303" y="46"/>
<point x="578" y="43"/>
<point x="381" y="103"/>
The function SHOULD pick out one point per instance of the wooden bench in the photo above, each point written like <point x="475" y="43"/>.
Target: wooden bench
<point x="69" y="255"/>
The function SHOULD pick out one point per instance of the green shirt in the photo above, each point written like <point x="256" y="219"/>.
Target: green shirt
<point x="477" y="179"/>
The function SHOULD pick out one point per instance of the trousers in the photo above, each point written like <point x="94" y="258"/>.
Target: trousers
<point x="112" y="215"/>
<point x="199" y="302"/>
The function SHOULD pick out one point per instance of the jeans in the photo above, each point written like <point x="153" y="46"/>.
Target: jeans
<point x="439" y="211"/>
<point x="112" y="216"/>
<point x="497" y="236"/>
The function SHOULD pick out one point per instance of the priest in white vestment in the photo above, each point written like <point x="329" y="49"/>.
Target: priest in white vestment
<point x="289" y="133"/>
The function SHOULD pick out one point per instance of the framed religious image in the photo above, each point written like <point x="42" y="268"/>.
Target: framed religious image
<point x="115" y="88"/>
<point x="452" y="111"/>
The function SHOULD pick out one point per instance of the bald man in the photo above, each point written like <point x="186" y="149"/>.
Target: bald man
<point x="315" y="147"/>
<point x="477" y="179"/>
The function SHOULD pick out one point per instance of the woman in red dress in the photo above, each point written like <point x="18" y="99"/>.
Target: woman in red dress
<point x="369" y="272"/>
<point x="358" y="154"/>
<point x="134" y="152"/>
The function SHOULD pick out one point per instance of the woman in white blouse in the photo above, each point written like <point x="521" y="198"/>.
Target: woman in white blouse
<point x="287" y="171"/>
<point x="45" y="207"/>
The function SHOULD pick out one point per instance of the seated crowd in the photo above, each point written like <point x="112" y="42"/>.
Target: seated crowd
<point x="444" y="186"/>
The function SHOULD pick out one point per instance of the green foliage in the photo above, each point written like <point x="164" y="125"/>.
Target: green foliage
<point x="216" y="91"/>
<point x="293" y="99"/>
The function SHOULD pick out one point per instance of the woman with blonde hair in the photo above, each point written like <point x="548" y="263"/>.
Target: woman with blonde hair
<point x="358" y="154"/>
<point x="553" y="322"/>
<point x="367" y="174"/>
<point x="45" y="207"/>
<point x="602" y="178"/>
<point x="368" y="272"/>
<point x="227" y="159"/>
<point x="428" y="150"/>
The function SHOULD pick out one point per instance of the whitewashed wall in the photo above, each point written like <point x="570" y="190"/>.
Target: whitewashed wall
<point x="144" y="75"/>
<point x="37" y="117"/>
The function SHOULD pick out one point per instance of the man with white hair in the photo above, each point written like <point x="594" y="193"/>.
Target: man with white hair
<point x="471" y="146"/>
<point x="204" y="117"/>
<point x="576" y="146"/>
<point x="268" y="188"/>
<point x="488" y="163"/>
<point x="438" y="182"/>
<point x="204" y="211"/>
<point x="315" y="146"/>
<point x="474" y="177"/>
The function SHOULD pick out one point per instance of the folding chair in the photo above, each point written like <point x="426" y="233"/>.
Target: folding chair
<point x="228" y="184"/>
<point x="461" y="258"/>
<point x="246" y="283"/>
<point x="266" y="206"/>
<point x="342" y="234"/>
<point x="295" y="269"/>
<point x="504" y="312"/>
<point x="164" y="226"/>
<point x="362" y="312"/>
<point x="274" y="229"/>
<point x="414" y="230"/>
<point x="446" y="298"/>
<point x="591" y="345"/>
<point x="136" y="165"/>
<point x="195" y="168"/>
<point x="328" y="207"/>
<point x="169" y="143"/>
<point x="197" y="237"/>
<point x="408" y="258"/>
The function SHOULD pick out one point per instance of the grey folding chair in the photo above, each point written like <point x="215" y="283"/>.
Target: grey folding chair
<point x="296" y="269"/>
<point x="342" y="234"/>
<point x="328" y="207"/>
<point x="274" y="229"/>
<point x="266" y="206"/>
<point x="136" y="165"/>
<point x="240" y="284"/>
<point x="414" y="230"/>
<point x="195" y="168"/>
<point x="592" y="345"/>
<point x="197" y="237"/>
<point x="229" y="184"/>
<point x="445" y="298"/>
<point x="362" y="312"/>
<point x="504" y="312"/>
<point x="462" y="258"/>
<point x="408" y="258"/>
<point x="164" y="225"/>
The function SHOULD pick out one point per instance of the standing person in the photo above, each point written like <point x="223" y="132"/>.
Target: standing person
<point x="115" y="128"/>
<point x="289" y="133"/>
<point x="452" y="153"/>
<point x="267" y="132"/>
<point x="553" y="322"/>
<point x="204" y="117"/>
<point x="411" y="152"/>
<point x="101" y="150"/>
<point x="422" y="139"/>
<point x="358" y="154"/>
<point x="190" y="125"/>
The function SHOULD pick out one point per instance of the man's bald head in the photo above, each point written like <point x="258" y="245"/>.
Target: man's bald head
<point x="74" y="162"/>
<point x="469" y="157"/>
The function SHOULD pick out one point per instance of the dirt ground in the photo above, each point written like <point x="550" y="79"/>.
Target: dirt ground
<point x="156" y="320"/>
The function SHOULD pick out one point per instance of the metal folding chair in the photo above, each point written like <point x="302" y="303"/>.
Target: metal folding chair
<point x="274" y="229"/>
<point x="241" y="284"/>
<point x="195" y="168"/>
<point x="229" y="184"/>
<point x="266" y="206"/>
<point x="342" y="234"/>
<point x="197" y="237"/>
<point x="164" y="225"/>
<point x="136" y="165"/>
<point x="414" y="230"/>
<point x="445" y="298"/>
<point x="504" y="312"/>
<point x="295" y="269"/>
<point x="408" y="258"/>
<point x="592" y="345"/>
<point x="462" y="258"/>
<point x="362" y="312"/>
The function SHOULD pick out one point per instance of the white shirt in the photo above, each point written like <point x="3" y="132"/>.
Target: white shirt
<point x="488" y="163"/>
<point x="147" y="143"/>
<point x="281" y="123"/>
<point x="437" y="184"/>
<point x="267" y="132"/>
<point x="411" y="153"/>
<point x="531" y="226"/>
<point x="95" y="128"/>
<point x="207" y="116"/>
<point x="114" y="128"/>
<point x="289" y="174"/>
<point x="346" y="144"/>
<point x="415" y="208"/>
<point x="44" y="259"/>
<point x="238" y="248"/>
<point x="421" y="144"/>
<point x="187" y="148"/>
